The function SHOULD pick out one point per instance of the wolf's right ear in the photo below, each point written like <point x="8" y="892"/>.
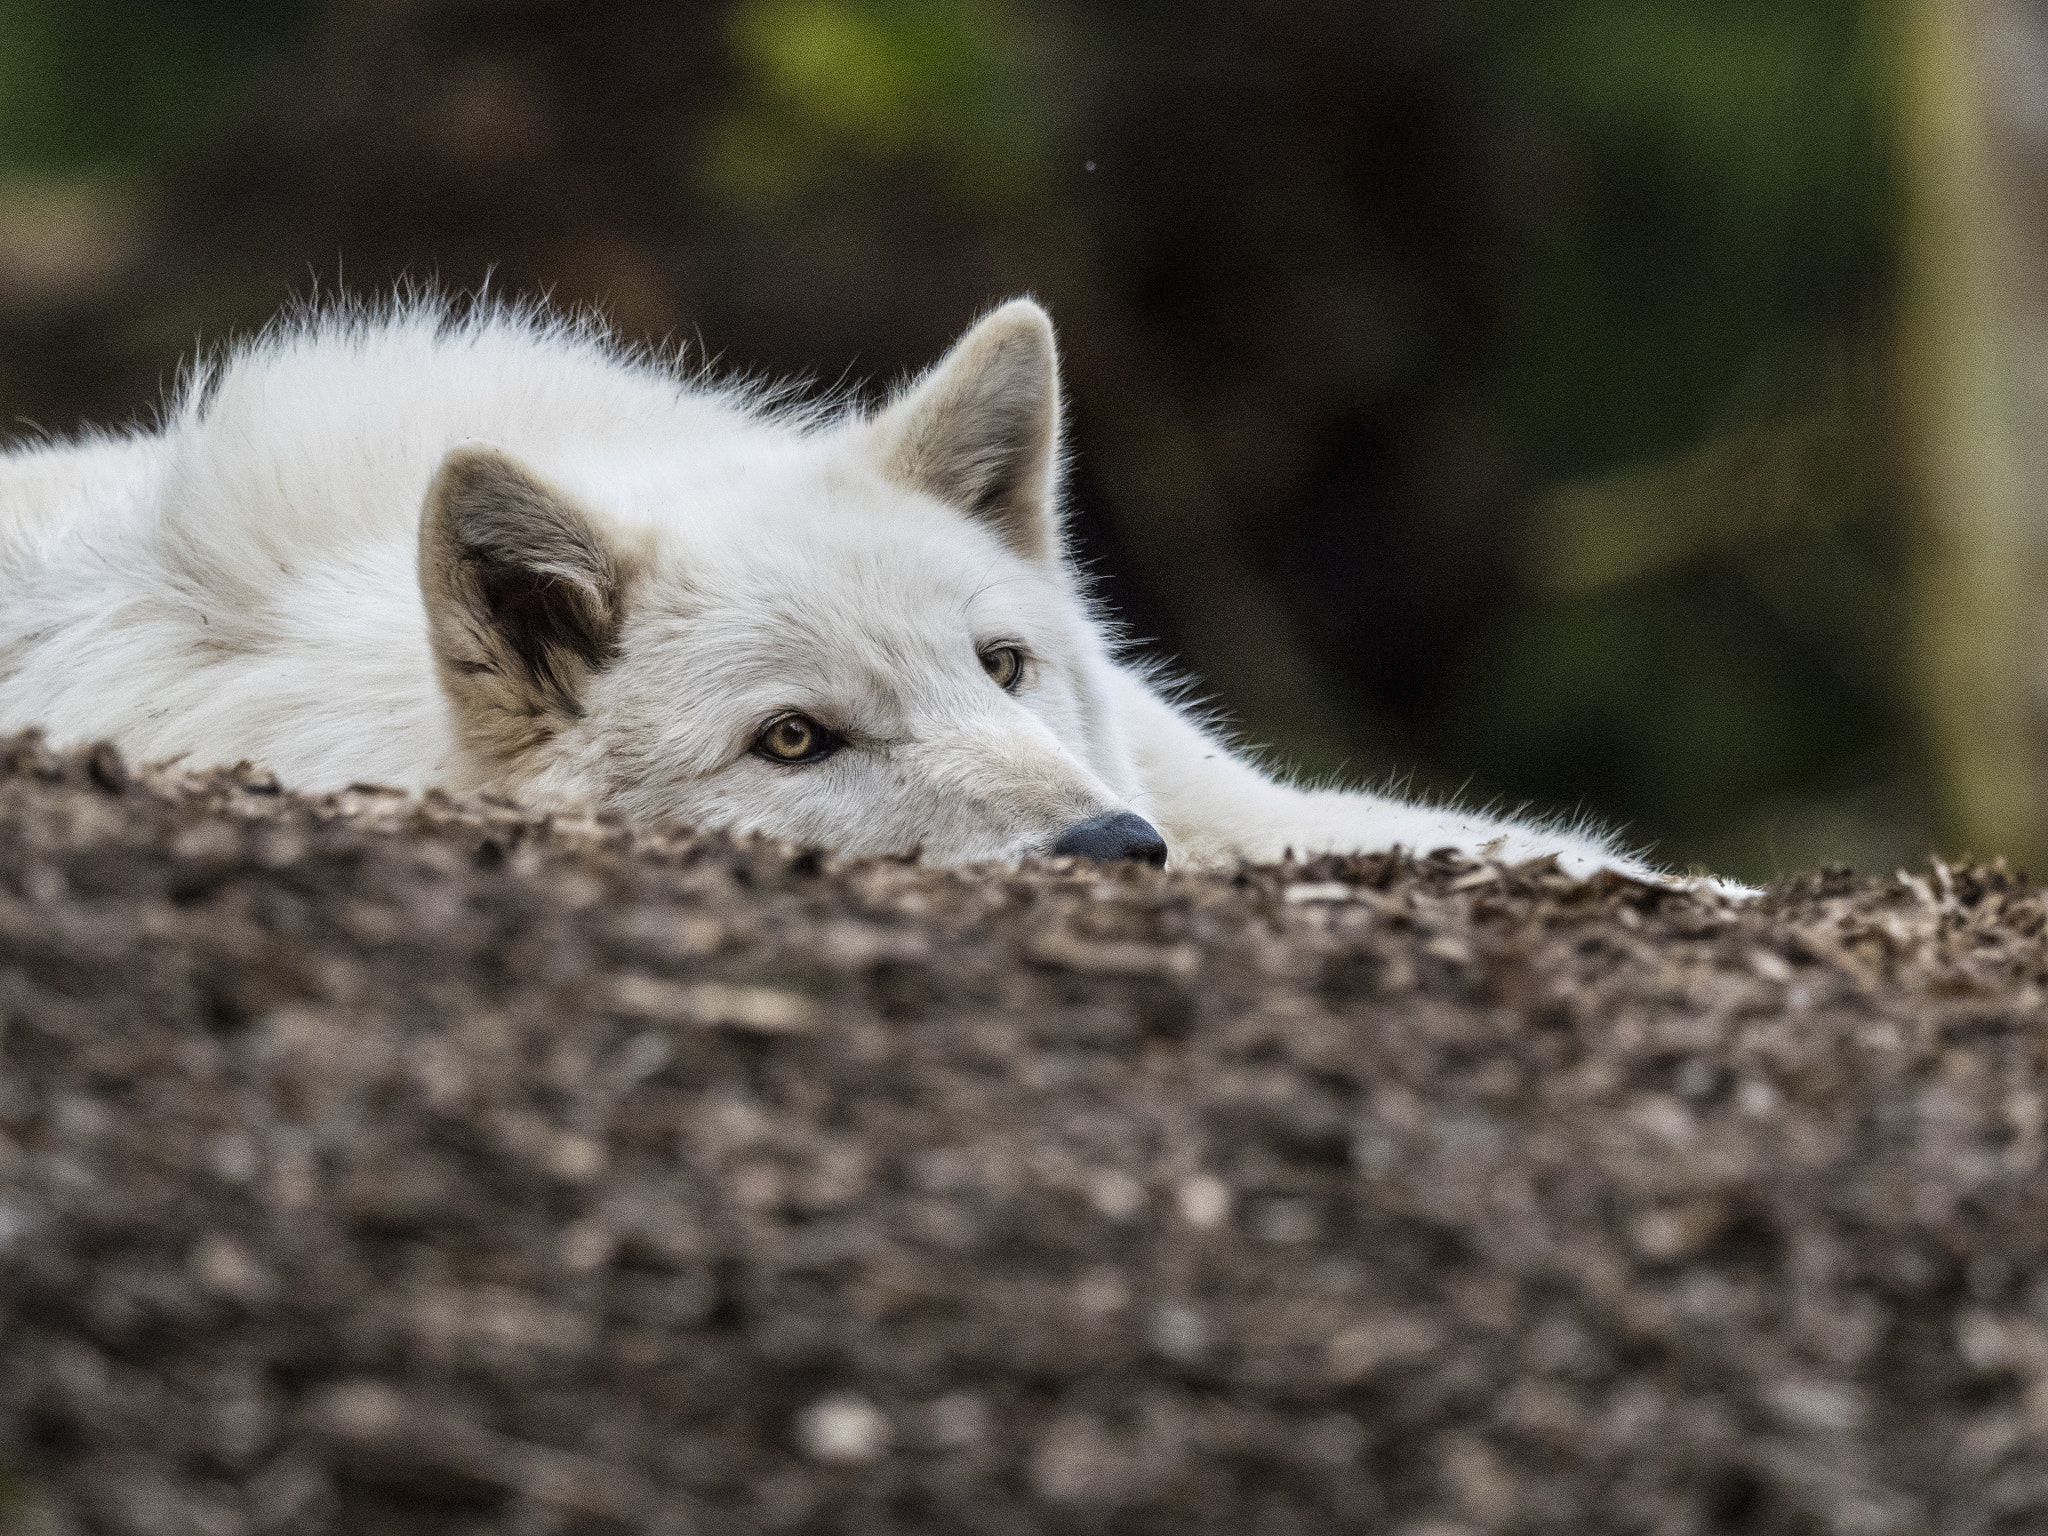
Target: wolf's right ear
<point x="981" y="430"/>
<point x="524" y="597"/>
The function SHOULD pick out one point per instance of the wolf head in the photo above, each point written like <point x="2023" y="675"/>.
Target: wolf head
<point x="865" y="636"/>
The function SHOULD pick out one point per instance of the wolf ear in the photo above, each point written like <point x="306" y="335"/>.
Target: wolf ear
<point x="524" y="597"/>
<point x="980" y="431"/>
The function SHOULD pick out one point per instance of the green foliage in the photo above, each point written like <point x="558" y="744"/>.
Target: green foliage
<point x="1716" y="217"/>
<point x="129" y="88"/>
<point x="945" y="83"/>
<point x="1711" y="260"/>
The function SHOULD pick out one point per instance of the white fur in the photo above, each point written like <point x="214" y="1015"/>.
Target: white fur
<point x="246" y="583"/>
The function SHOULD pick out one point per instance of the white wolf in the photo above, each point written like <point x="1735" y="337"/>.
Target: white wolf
<point x="497" y="553"/>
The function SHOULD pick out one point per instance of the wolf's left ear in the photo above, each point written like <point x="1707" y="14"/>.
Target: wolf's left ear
<point x="981" y="430"/>
<point x="524" y="596"/>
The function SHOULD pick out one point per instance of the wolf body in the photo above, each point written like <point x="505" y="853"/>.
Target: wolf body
<point x="497" y="553"/>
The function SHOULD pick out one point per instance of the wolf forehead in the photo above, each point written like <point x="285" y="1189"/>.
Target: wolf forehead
<point x="895" y="601"/>
<point x="803" y="553"/>
<point x="866" y="623"/>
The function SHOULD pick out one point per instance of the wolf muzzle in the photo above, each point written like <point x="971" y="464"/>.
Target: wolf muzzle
<point x="1112" y="836"/>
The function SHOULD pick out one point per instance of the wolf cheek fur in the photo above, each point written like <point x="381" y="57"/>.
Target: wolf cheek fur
<point x="498" y="553"/>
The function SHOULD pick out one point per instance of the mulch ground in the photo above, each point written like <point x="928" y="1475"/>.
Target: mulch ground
<point x="388" y="1167"/>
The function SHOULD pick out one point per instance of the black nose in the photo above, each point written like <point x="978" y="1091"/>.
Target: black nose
<point x="1111" y="836"/>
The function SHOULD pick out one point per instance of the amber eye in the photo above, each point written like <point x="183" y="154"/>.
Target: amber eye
<point x="795" y="739"/>
<point x="1004" y="663"/>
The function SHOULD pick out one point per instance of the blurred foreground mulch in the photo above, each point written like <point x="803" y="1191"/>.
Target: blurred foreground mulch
<point x="372" y="1165"/>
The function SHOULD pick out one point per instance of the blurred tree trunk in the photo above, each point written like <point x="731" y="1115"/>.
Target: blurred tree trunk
<point x="1973" y="82"/>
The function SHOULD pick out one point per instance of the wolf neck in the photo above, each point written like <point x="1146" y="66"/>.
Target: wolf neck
<point x="238" y="583"/>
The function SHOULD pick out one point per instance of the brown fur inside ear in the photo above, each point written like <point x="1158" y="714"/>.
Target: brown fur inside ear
<point x="524" y="598"/>
<point x="981" y="430"/>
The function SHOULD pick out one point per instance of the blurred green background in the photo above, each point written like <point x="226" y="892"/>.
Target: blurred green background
<point x="1495" y="395"/>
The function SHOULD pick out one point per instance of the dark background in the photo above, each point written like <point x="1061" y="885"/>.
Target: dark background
<point x="1491" y="395"/>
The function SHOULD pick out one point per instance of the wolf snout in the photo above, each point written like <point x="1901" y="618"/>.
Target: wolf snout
<point x="1111" y="836"/>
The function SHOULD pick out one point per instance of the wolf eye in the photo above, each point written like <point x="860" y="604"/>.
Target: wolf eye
<point x="795" y="739"/>
<point x="1004" y="664"/>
